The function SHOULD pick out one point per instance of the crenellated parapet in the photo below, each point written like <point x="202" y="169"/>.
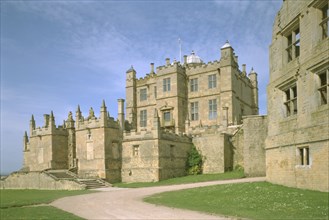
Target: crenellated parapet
<point x="49" y="127"/>
<point x="171" y="68"/>
<point x="91" y="121"/>
<point x="202" y="68"/>
<point x="149" y="78"/>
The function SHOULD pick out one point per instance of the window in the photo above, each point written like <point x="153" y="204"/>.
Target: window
<point x="194" y="85"/>
<point x="194" y="111"/>
<point x="166" y="84"/>
<point x="304" y="156"/>
<point x="135" y="150"/>
<point x="293" y="48"/>
<point x="166" y="116"/>
<point x="143" y="118"/>
<point x="324" y="21"/>
<point x="212" y="109"/>
<point x="155" y="92"/>
<point x="212" y="81"/>
<point x="143" y="94"/>
<point x="291" y="101"/>
<point x="324" y="87"/>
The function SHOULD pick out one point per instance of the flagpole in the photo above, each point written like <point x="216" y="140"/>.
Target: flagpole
<point x="180" y="50"/>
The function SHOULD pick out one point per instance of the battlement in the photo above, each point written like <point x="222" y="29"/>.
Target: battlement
<point x="170" y="68"/>
<point x="146" y="78"/>
<point x="48" y="128"/>
<point x="92" y="121"/>
<point x="204" y="67"/>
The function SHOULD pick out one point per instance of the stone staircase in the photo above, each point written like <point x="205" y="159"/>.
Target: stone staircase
<point x="68" y="175"/>
<point x="94" y="183"/>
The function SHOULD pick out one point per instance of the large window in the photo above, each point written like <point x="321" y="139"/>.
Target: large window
<point x="324" y="87"/>
<point x="324" y="21"/>
<point x="166" y="84"/>
<point x="143" y="118"/>
<point x="194" y="111"/>
<point x="212" y="109"/>
<point x="291" y="101"/>
<point x="293" y="41"/>
<point x="194" y="85"/>
<point x="212" y="81"/>
<point x="143" y="94"/>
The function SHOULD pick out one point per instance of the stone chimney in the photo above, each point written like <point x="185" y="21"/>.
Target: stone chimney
<point x="121" y="114"/>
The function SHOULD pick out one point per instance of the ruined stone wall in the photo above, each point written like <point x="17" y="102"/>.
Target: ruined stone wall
<point x="254" y="134"/>
<point x="297" y="142"/>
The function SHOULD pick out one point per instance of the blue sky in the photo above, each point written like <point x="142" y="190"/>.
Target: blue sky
<point x="58" y="54"/>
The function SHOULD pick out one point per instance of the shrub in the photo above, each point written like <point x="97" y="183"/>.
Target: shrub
<point x="194" y="162"/>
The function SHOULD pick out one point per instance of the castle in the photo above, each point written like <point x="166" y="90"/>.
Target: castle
<point x="213" y="106"/>
<point x="170" y="109"/>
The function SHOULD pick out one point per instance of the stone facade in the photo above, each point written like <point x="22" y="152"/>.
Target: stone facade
<point x="298" y="112"/>
<point x="168" y="111"/>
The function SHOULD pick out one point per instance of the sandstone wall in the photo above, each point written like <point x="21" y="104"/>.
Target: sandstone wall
<point x="37" y="180"/>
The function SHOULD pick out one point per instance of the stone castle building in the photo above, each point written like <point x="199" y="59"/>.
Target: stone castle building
<point x="213" y="106"/>
<point x="172" y="108"/>
<point x="297" y="145"/>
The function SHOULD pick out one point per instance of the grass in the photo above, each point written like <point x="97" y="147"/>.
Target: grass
<point x="259" y="200"/>
<point x="32" y="204"/>
<point x="185" y="179"/>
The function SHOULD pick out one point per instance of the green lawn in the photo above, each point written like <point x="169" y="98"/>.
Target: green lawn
<point x="24" y="204"/>
<point x="186" y="179"/>
<point x="260" y="200"/>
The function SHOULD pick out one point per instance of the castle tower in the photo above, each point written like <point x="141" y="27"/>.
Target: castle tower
<point x="131" y="97"/>
<point x="227" y="55"/>
<point x="253" y="78"/>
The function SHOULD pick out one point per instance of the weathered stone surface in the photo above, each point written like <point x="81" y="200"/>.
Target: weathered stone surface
<point x="301" y="133"/>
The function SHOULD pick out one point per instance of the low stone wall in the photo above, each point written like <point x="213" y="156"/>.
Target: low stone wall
<point x="38" y="180"/>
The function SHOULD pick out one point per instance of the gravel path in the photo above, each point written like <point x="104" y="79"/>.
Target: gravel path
<point x="122" y="203"/>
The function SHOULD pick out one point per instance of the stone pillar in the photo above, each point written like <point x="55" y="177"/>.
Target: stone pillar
<point x="121" y="114"/>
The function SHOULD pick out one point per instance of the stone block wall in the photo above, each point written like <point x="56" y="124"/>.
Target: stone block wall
<point x="37" y="180"/>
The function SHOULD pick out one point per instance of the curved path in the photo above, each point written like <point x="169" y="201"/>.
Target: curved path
<point x="123" y="203"/>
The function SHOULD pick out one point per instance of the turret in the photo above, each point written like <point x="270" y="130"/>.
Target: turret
<point x="25" y="142"/>
<point x="32" y="125"/>
<point x="131" y="97"/>
<point x="253" y="79"/>
<point x="103" y="116"/>
<point x="227" y="55"/>
<point x="78" y="116"/>
<point x="121" y="114"/>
